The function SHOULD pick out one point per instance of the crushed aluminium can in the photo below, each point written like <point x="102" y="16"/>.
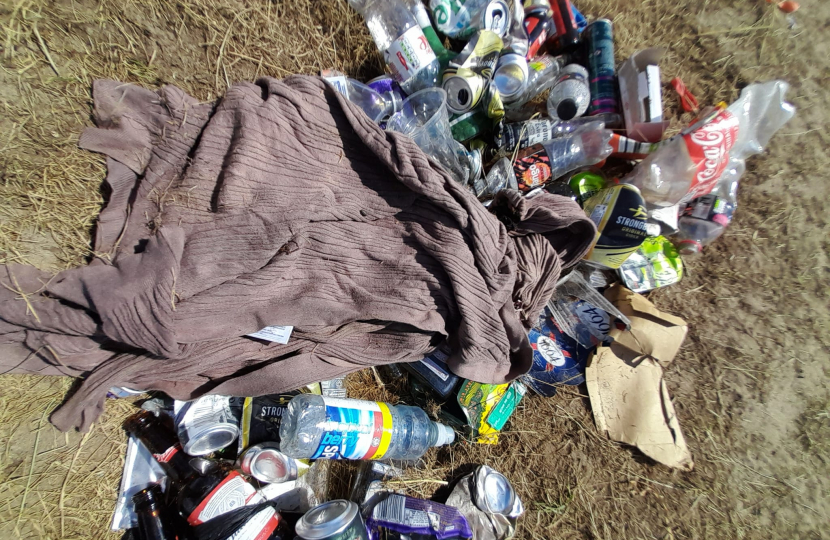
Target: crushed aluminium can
<point x="468" y="78"/>
<point x="510" y="77"/>
<point x="557" y="358"/>
<point x="434" y="372"/>
<point x="586" y="184"/>
<point x="206" y="425"/>
<point x="655" y="264"/>
<point x="619" y="212"/>
<point x="333" y="520"/>
<point x="459" y="19"/>
<point x="470" y="125"/>
<point x="267" y="464"/>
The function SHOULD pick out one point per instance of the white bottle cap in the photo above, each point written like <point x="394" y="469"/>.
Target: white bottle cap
<point x="446" y="435"/>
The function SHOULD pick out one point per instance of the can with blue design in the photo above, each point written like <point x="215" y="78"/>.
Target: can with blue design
<point x="602" y="73"/>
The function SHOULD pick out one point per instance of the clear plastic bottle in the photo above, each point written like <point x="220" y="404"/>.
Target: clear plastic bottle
<point x="693" y="164"/>
<point x="541" y="74"/>
<point x="378" y="107"/>
<point x="320" y="427"/>
<point x="419" y="10"/>
<point x="570" y="94"/>
<point x="538" y="164"/>
<point x="704" y="220"/>
<point x="399" y="37"/>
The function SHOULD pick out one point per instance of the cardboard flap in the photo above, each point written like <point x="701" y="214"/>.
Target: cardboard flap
<point x="633" y="88"/>
<point x="631" y="404"/>
<point x="653" y="333"/>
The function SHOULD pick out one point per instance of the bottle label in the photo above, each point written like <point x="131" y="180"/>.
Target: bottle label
<point x="532" y="168"/>
<point x="354" y="430"/>
<point x="258" y="527"/>
<point x="709" y="207"/>
<point x="168" y="454"/>
<point x="708" y="148"/>
<point x="408" y="54"/>
<point x="232" y="493"/>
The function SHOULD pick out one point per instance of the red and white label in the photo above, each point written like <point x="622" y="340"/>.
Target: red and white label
<point x="408" y="54"/>
<point x="708" y="148"/>
<point x="168" y="454"/>
<point x="258" y="527"/>
<point x="232" y="493"/>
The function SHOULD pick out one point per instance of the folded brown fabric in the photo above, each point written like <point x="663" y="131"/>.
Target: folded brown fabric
<point x="282" y="205"/>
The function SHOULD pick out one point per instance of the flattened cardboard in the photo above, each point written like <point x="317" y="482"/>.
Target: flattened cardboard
<point x="653" y="333"/>
<point x="632" y="405"/>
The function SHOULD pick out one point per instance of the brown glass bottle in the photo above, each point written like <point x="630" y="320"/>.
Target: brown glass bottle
<point x="159" y="436"/>
<point x="154" y="522"/>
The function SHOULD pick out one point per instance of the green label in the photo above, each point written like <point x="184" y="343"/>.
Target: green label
<point x="505" y="407"/>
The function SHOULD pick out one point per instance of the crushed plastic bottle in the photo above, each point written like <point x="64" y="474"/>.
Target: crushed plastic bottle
<point x="419" y="10"/>
<point x="378" y="107"/>
<point x="536" y="165"/>
<point x="692" y="164"/>
<point x="320" y="427"/>
<point x="703" y="222"/>
<point x="399" y="37"/>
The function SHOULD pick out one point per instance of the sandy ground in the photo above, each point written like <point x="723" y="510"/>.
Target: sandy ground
<point x="749" y="385"/>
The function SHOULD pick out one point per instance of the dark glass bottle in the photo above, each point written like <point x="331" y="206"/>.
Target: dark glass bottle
<point x="154" y="522"/>
<point x="158" y="434"/>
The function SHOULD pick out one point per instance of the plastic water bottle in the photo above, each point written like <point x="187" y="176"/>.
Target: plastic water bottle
<point x="377" y="106"/>
<point x="320" y="427"/>
<point x="571" y="94"/>
<point x="399" y="37"/>
<point x="420" y="12"/>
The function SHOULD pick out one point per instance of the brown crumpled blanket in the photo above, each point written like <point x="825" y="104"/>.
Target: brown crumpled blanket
<point x="282" y="205"/>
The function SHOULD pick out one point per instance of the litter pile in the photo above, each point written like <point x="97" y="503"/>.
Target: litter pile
<point x="476" y="224"/>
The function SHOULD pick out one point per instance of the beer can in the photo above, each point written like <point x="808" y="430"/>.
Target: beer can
<point x="206" y="425"/>
<point x="464" y="88"/>
<point x="601" y="70"/>
<point x="493" y="492"/>
<point x="619" y="212"/>
<point x="469" y="125"/>
<point x="333" y="520"/>
<point x="496" y="17"/>
<point x="468" y="76"/>
<point x="510" y="76"/>
<point x="267" y="464"/>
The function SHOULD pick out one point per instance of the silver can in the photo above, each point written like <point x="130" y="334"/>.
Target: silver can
<point x="493" y="492"/>
<point x="334" y="520"/>
<point x="267" y="464"/>
<point x="496" y="17"/>
<point x="510" y="76"/>
<point x="206" y="425"/>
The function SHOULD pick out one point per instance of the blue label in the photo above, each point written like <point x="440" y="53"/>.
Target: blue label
<point x="557" y="358"/>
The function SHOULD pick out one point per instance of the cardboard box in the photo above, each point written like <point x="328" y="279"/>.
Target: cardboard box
<point x="642" y="96"/>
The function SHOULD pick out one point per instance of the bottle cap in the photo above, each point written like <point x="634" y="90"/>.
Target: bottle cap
<point x="689" y="247"/>
<point x="721" y="219"/>
<point x="446" y="435"/>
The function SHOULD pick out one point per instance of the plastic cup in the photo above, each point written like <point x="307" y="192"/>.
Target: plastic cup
<point x="424" y="118"/>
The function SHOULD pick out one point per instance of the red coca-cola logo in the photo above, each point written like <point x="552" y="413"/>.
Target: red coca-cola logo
<point x="708" y="148"/>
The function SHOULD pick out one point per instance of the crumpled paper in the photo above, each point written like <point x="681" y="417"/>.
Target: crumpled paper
<point x="628" y="395"/>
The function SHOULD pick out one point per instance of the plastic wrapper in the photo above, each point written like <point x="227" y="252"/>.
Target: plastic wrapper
<point x="575" y="306"/>
<point x="656" y="264"/>
<point x="411" y="516"/>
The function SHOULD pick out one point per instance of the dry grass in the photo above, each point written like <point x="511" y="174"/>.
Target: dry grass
<point x="574" y="482"/>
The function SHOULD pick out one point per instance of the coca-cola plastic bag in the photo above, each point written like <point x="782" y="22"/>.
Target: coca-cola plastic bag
<point x="693" y="163"/>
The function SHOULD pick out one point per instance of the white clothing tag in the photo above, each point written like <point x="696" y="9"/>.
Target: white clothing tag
<point x="277" y="334"/>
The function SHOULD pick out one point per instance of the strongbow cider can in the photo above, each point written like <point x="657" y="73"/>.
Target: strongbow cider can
<point x="619" y="212"/>
<point x="468" y="77"/>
